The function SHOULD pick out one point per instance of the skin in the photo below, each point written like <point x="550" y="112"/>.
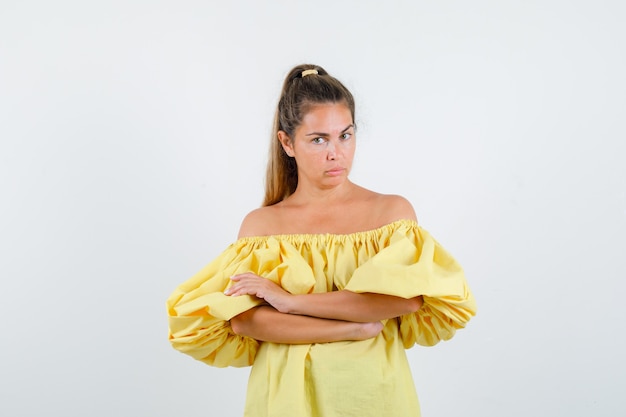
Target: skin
<point x="325" y="201"/>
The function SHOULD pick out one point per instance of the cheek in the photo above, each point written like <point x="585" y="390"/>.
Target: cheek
<point x="349" y="149"/>
<point x="310" y="158"/>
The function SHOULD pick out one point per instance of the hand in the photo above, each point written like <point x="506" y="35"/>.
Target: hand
<point x="252" y="284"/>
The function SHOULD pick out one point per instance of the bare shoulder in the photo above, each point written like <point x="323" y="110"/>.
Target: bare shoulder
<point x="398" y="207"/>
<point x="390" y="207"/>
<point x="257" y="222"/>
<point x="386" y="208"/>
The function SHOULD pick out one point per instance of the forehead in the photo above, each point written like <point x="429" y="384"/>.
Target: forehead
<point x="327" y="116"/>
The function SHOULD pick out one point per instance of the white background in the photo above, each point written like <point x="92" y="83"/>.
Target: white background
<point x="133" y="141"/>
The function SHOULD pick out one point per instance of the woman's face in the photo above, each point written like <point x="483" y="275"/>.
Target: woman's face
<point x="323" y="145"/>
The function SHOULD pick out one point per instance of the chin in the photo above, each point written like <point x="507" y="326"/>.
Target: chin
<point x="330" y="182"/>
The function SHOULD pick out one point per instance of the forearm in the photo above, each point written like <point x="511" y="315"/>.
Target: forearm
<point x="350" y="306"/>
<point x="269" y="325"/>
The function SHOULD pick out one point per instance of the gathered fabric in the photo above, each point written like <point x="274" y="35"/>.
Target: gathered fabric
<point x="351" y="378"/>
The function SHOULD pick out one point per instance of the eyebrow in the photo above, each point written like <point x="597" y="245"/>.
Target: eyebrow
<point x="326" y="134"/>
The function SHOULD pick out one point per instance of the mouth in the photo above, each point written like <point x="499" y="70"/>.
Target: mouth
<point x="335" y="172"/>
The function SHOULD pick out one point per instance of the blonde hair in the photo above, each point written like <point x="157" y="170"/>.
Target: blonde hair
<point x="300" y="92"/>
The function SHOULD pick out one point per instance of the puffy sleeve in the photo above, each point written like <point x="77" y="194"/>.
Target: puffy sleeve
<point x="412" y="263"/>
<point x="199" y="312"/>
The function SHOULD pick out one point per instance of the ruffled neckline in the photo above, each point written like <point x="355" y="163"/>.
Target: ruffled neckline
<point x="356" y="236"/>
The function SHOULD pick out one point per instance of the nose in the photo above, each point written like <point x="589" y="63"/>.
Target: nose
<point x="332" y="151"/>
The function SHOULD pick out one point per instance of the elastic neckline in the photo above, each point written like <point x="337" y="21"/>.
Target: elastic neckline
<point x="396" y="224"/>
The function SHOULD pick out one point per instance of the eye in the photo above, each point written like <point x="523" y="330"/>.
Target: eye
<point x="346" y="136"/>
<point x="318" y="140"/>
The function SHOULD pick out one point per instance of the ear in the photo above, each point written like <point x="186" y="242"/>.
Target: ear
<point x="286" y="143"/>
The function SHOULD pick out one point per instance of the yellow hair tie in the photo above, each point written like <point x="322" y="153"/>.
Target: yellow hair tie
<point x="309" y="72"/>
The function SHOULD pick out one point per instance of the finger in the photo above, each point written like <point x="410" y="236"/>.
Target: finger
<point x="238" y="277"/>
<point x="242" y="288"/>
<point x="234" y="289"/>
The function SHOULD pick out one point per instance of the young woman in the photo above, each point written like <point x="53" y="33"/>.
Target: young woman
<point x="328" y="282"/>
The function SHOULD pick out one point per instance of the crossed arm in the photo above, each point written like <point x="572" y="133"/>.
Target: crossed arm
<point x="313" y="318"/>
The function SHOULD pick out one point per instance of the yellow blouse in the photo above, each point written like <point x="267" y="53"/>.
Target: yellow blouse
<point x="352" y="378"/>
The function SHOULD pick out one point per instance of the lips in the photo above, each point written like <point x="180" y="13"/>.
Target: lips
<point x="335" y="171"/>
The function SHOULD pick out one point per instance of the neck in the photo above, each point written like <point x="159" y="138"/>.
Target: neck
<point x="312" y="196"/>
